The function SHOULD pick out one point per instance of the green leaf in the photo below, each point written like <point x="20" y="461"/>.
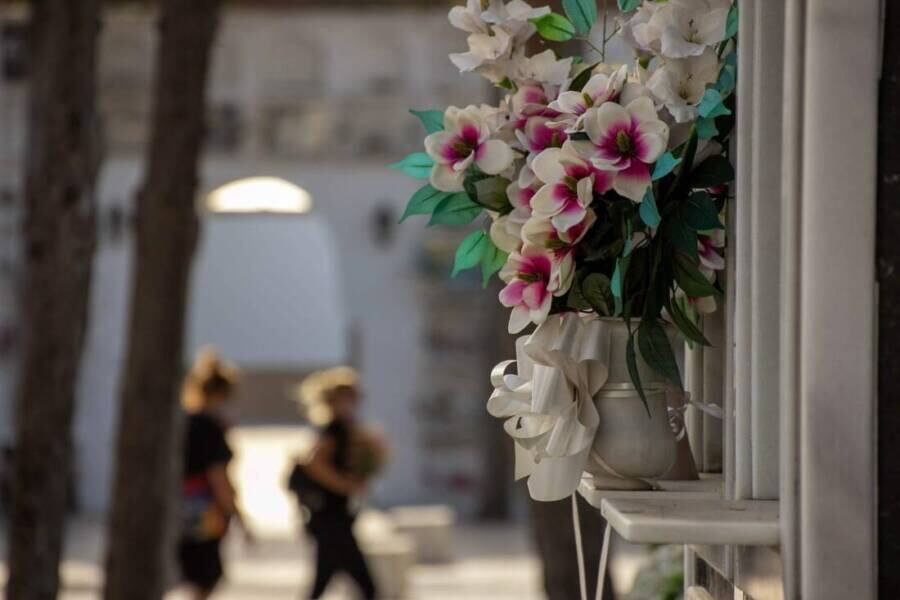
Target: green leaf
<point x="424" y="201"/>
<point x="575" y="298"/>
<point x="664" y="165"/>
<point x="682" y="236"/>
<point x="433" y="120"/>
<point x="648" y="211"/>
<point x="686" y="324"/>
<point x="492" y="261"/>
<point x="699" y="212"/>
<point x="631" y="362"/>
<point x="712" y="172"/>
<point x="711" y="105"/>
<point x="706" y="128"/>
<point x="554" y="27"/>
<point x="597" y="291"/>
<point x="417" y="165"/>
<point x="731" y="23"/>
<point x="457" y="209"/>
<point x="627" y="5"/>
<point x="582" y="13"/>
<point x="657" y="351"/>
<point x="470" y="252"/>
<point x="580" y="80"/>
<point x="691" y="280"/>
<point x="489" y="191"/>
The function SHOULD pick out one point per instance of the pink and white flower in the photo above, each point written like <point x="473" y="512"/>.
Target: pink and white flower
<point x="570" y="183"/>
<point x="541" y="233"/>
<point x="627" y="139"/>
<point x="600" y="88"/>
<point x="708" y="245"/>
<point x="506" y="230"/>
<point x="466" y="140"/>
<point x="532" y="279"/>
<point x="541" y="132"/>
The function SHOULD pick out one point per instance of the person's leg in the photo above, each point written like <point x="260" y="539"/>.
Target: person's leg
<point x="353" y="562"/>
<point x="326" y="559"/>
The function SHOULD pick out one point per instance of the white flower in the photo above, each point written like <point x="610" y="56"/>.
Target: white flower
<point x="681" y="83"/>
<point x="468" y="18"/>
<point x="600" y="88"/>
<point x="641" y="31"/>
<point x="466" y="139"/>
<point x="486" y="50"/>
<point x="688" y="27"/>
<point x="542" y="68"/>
<point x="506" y="230"/>
<point x="627" y="139"/>
<point x="515" y="16"/>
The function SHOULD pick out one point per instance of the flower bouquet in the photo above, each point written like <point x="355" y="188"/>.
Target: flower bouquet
<point x="598" y="191"/>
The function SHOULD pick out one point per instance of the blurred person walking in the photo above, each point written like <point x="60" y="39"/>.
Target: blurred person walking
<point x="342" y="462"/>
<point x="209" y="500"/>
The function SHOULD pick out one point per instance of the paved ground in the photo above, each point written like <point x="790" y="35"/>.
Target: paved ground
<point x="492" y="562"/>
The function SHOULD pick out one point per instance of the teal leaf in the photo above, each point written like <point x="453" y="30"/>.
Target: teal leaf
<point x="657" y="351"/>
<point x="686" y="324"/>
<point x="664" y="165"/>
<point x="648" y="211"/>
<point x="714" y="171"/>
<point x="706" y="128"/>
<point x="554" y="27"/>
<point x="457" y="209"/>
<point x="470" y="252"/>
<point x="615" y="284"/>
<point x="731" y="23"/>
<point x="631" y="362"/>
<point x="582" y="14"/>
<point x="711" y="105"/>
<point x="699" y="212"/>
<point x="417" y="165"/>
<point x="433" y="120"/>
<point x="691" y="280"/>
<point x="727" y="79"/>
<point x="424" y="201"/>
<point x="597" y="291"/>
<point x="628" y="5"/>
<point x="492" y="261"/>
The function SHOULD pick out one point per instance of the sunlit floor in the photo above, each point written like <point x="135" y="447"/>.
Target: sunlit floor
<point x="493" y="562"/>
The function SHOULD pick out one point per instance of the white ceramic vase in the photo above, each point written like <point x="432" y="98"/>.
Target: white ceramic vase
<point x="631" y="446"/>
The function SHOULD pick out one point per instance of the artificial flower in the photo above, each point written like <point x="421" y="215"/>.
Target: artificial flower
<point x="680" y="83"/>
<point x="532" y="280"/>
<point x="708" y="244"/>
<point x="540" y="232"/>
<point x="627" y="139"/>
<point x="466" y="140"/>
<point x="570" y="183"/>
<point x="600" y="88"/>
<point x="542" y="68"/>
<point x="539" y="133"/>
<point x="688" y="27"/>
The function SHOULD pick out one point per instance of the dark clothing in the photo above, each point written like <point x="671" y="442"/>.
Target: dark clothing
<point x="337" y="551"/>
<point x="200" y="562"/>
<point x="204" y="523"/>
<point x="332" y="502"/>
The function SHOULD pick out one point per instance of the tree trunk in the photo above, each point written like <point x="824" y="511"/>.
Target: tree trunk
<point x="59" y="239"/>
<point x="167" y="228"/>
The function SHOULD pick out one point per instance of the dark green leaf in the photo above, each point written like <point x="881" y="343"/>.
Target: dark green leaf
<point x="682" y="236"/>
<point x="699" y="212"/>
<point x="470" y="252"/>
<point x="580" y="80"/>
<point x="631" y="362"/>
<point x="691" y="280"/>
<point x="554" y="27"/>
<point x="579" y="136"/>
<point x="657" y="351"/>
<point x="685" y="324"/>
<point x="597" y="291"/>
<point x="417" y="165"/>
<point x="664" y="165"/>
<point x="424" y="201"/>
<point x="493" y="260"/>
<point x="649" y="212"/>
<point x="490" y="192"/>
<point x="712" y="172"/>
<point x="582" y="14"/>
<point x="576" y="298"/>
<point x="457" y="209"/>
<point x="433" y="120"/>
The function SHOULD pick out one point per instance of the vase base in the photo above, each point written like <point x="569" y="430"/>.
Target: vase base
<point x="606" y="482"/>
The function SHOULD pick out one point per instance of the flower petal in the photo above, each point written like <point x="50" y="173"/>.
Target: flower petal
<point x="493" y="156"/>
<point x="572" y="215"/>
<point x="550" y="200"/>
<point x="651" y="141"/>
<point x="511" y="295"/>
<point x="519" y="319"/>
<point x="548" y="165"/>
<point x="642" y="109"/>
<point x="599" y="121"/>
<point x="437" y="145"/>
<point x="447" y="179"/>
<point x="633" y="181"/>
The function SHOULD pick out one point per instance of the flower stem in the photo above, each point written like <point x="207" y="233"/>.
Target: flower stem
<point x="605" y="39"/>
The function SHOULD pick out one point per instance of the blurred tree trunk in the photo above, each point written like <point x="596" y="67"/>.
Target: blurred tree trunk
<point x="59" y="239"/>
<point x="167" y="229"/>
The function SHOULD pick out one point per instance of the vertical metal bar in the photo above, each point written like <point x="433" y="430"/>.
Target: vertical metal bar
<point x="742" y="250"/>
<point x="791" y="193"/>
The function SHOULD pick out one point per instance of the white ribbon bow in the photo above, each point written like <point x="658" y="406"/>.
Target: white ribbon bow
<point x="549" y="404"/>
